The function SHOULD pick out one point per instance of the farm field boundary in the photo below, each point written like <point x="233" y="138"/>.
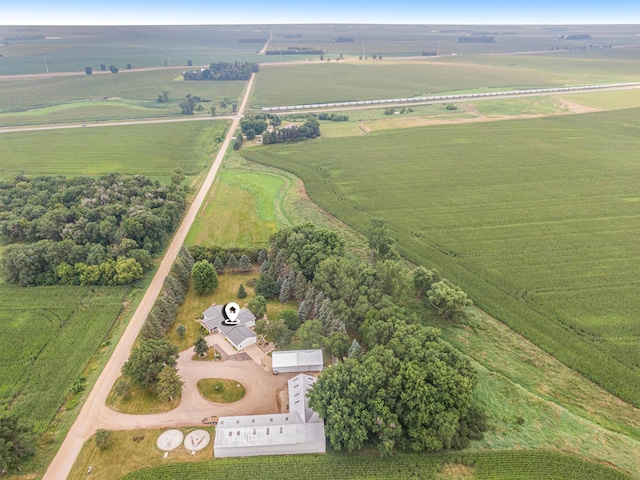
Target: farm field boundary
<point x="512" y="465"/>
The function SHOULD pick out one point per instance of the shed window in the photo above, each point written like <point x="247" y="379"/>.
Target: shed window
<point x="254" y="431"/>
<point x="230" y="434"/>
<point x="280" y="429"/>
<point x="267" y="430"/>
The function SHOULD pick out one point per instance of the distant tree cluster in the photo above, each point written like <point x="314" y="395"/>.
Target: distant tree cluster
<point x="344" y="40"/>
<point x="293" y="133"/>
<point x="17" y="442"/>
<point x="296" y="51"/>
<point x="224" y="71"/>
<point x="333" y="117"/>
<point x="429" y="53"/>
<point x="85" y="230"/>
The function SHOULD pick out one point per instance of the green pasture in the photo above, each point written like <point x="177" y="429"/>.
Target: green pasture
<point x="48" y="335"/>
<point x="153" y="150"/>
<point x="535" y="219"/>
<point x="512" y="465"/>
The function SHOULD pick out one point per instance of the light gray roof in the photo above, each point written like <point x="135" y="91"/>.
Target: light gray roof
<point x="237" y="335"/>
<point x="295" y="358"/>
<point x="214" y="318"/>
<point x="298" y="401"/>
<point x="300" y="425"/>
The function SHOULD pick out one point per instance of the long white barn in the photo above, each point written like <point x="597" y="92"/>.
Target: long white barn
<point x="299" y="431"/>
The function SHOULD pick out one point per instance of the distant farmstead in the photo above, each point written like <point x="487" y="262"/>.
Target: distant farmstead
<point x="238" y="335"/>
<point x="299" y="431"/>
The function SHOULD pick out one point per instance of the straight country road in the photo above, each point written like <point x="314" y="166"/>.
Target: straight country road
<point x="91" y="415"/>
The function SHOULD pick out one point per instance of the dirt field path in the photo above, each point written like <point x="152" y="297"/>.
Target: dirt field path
<point x="94" y="413"/>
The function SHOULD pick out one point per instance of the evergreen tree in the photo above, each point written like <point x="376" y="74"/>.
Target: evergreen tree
<point x="218" y="264"/>
<point x="258" y="306"/>
<point x="181" y="330"/>
<point x="152" y="329"/>
<point x="232" y="263"/>
<point x="299" y="286"/>
<point x="303" y="311"/>
<point x="242" y="293"/>
<point x="355" y="350"/>
<point x="17" y="441"/>
<point x="169" y="384"/>
<point x="264" y="266"/>
<point x="262" y="256"/>
<point x="285" y="291"/>
<point x="244" y="264"/>
<point x="315" y="310"/>
<point x="103" y="439"/>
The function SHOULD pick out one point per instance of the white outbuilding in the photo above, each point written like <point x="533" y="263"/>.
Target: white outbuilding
<point x="299" y="431"/>
<point x="292" y="361"/>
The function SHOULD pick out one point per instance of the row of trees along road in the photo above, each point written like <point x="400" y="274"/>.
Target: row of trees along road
<point x="397" y="385"/>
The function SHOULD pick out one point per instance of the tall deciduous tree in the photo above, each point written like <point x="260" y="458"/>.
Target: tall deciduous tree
<point x="205" y="278"/>
<point x="17" y="441"/>
<point x="380" y="242"/>
<point x="201" y="347"/>
<point x="310" y="334"/>
<point x="423" y="279"/>
<point x="448" y="299"/>
<point x="258" y="306"/>
<point x="147" y="361"/>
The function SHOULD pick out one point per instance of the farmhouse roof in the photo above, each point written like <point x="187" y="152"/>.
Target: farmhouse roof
<point x="237" y="335"/>
<point x="298" y="401"/>
<point x="214" y="318"/>
<point x="296" y="358"/>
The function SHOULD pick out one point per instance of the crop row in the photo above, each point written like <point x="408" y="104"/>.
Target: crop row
<point x="512" y="465"/>
<point x="43" y="350"/>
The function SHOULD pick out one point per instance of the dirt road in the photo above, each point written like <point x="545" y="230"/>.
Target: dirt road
<point x="94" y="414"/>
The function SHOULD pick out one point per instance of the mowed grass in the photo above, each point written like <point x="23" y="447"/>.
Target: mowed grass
<point x="220" y="390"/>
<point x="139" y="401"/>
<point x="535" y="219"/>
<point x="47" y="336"/>
<point x="126" y="454"/>
<point x="152" y="150"/>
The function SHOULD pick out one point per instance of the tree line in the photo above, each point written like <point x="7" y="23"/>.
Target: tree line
<point x="398" y="386"/>
<point x="224" y="71"/>
<point x="83" y="230"/>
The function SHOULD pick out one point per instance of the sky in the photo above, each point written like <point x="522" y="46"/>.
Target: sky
<point x="214" y="12"/>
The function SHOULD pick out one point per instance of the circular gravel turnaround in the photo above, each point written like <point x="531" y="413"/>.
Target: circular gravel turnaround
<point x="197" y="440"/>
<point x="170" y="440"/>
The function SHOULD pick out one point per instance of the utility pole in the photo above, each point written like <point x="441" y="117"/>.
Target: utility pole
<point x="46" y="67"/>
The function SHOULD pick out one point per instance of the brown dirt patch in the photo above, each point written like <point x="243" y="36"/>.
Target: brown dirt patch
<point x="576" y="107"/>
<point x="456" y="471"/>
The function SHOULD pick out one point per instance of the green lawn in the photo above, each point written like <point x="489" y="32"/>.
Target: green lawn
<point x="220" y="390"/>
<point x="153" y="150"/>
<point x="139" y="401"/>
<point x="536" y="219"/>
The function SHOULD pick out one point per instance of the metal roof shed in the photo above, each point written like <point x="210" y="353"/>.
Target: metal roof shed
<point x="297" y="361"/>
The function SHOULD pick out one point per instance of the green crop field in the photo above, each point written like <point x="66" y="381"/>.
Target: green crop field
<point x="536" y="219"/>
<point x="105" y="96"/>
<point x="47" y="336"/>
<point x="347" y="81"/>
<point x="512" y="465"/>
<point x="153" y="150"/>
